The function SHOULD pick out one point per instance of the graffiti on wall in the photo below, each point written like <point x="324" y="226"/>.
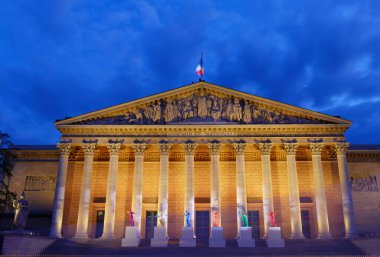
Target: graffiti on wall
<point x="364" y="184"/>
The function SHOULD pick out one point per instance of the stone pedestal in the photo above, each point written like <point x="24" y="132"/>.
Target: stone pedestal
<point x="274" y="237"/>
<point x="187" y="239"/>
<point x="245" y="239"/>
<point x="217" y="239"/>
<point x="131" y="238"/>
<point x="159" y="238"/>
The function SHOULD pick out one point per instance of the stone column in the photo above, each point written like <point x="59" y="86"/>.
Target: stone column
<point x="164" y="182"/>
<point x="84" y="201"/>
<point x="294" y="195"/>
<point x="320" y="196"/>
<point x="189" y="148"/>
<point x="214" y="147"/>
<point x="265" y="148"/>
<point x="139" y="149"/>
<point x="109" y="215"/>
<point x="348" y="207"/>
<point x="59" y="196"/>
<point x="241" y="193"/>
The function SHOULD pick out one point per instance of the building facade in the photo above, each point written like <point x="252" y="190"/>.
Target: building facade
<point x="212" y="151"/>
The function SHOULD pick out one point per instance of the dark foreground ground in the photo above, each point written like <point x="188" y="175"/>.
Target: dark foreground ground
<point x="98" y="247"/>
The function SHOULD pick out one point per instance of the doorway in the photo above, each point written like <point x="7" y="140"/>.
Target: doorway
<point x="99" y="223"/>
<point x="305" y="218"/>
<point x="254" y="223"/>
<point x="150" y="223"/>
<point x="202" y="224"/>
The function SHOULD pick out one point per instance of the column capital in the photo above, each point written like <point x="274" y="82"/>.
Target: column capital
<point x="114" y="147"/>
<point x="189" y="147"/>
<point x="164" y="148"/>
<point x="265" y="147"/>
<point x="89" y="146"/>
<point x="240" y="147"/>
<point x="214" y="147"/>
<point x="139" y="148"/>
<point x="64" y="148"/>
<point x="290" y="147"/>
<point x="315" y="147"/>
<point x="341" y="147"/>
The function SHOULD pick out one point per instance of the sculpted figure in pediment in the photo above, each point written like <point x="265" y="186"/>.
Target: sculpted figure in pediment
<point x="188" y="112"/>
<point x="202" y="105"/>
<point x="215" y="111"/>
<point x="149" y="113"/>
<point x="247" y="116"/>
<point x="229" y="109"/>
<point x="157" y="112"/>
<point x="236" y="111"/>
<point x="169" y="112"/>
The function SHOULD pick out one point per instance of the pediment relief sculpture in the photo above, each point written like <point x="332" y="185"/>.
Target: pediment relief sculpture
<point x="200" y="107"/>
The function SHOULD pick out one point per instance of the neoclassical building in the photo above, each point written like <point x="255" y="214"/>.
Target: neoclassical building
<point x="206" y="149"/>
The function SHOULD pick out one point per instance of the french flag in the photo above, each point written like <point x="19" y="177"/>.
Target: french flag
<point x="199" y="70"/>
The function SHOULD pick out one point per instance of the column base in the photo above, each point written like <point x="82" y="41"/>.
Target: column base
<point x="274" y="237"/>
<point x="160" y="238"/>
<point x="108" y="236"/>
<point x="216" y="239"/>
<point x="187" y="239"/>
<point x="245" y="238"/>
<point x="297" y="236"/>
<point x="81" y="236"/>
<point x="55" y="235"/>
<point x="131" y="238"/>
<point x="325" y="236"/>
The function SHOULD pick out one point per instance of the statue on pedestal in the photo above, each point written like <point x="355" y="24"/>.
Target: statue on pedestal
<point x="161" y="218"/>
<point x="131" y="219"/>
<point x="187" y="215"/>
<point x="21" y="212"/>
<point x="244" y="219"/>
<point x="272" y="218"/>
<point x="215" y="219"/>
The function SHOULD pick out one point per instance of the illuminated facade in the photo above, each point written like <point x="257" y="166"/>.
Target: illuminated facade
<point x="206" y="149"/>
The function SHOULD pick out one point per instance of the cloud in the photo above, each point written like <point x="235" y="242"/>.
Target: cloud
<point x="65" y="58"/>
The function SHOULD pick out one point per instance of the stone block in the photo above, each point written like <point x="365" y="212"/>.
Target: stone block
<point x="131" y="238"/>
<point x="187" y="239"/>
<point x="159" y="238"/>
<point x="274" y="237"/>
<point x="245" y="239"/>
<point x="217" y="239"/>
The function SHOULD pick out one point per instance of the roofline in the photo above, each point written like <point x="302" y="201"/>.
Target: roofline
<point x="329" y="117"/>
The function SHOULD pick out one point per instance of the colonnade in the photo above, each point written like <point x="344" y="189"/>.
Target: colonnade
<point x="215" y="200"/>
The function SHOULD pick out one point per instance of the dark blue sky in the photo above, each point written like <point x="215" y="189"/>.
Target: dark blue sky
<point x="65" y="58"/>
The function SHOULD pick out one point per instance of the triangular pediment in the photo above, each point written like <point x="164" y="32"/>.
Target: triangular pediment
<point x="202" y="103"/>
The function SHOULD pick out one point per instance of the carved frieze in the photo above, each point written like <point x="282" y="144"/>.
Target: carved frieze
<point x="40" y="183"/>
<point x="200" y="106"/>
<point x="364" y="184"/>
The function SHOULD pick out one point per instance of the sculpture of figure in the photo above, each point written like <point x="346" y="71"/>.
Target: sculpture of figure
<point x="215" y="111"/>
<point x="230" y="109"/>
<point x="236" y="111"/>
<point x="21" y="212"/>
<point x="244" y="219"/>
<point x="139" y="116"/>
<point x="209" y="104"/>
<point x="215" y="219"/>
<point x="272" y="218"/>
<point x="169" y="112"/>
<point x="188" y="112"/>
<point x="157" y="113"/>
<point x="202" y="106"/>
<point x="247" y="116"/>
<point x="176" y="109"/>
<point x="149" y="112"/>
<point x="223" y="108"/>
<point x="161" y="217"/>
<point x="131" y="219"/>
<point x="187" y="215"/>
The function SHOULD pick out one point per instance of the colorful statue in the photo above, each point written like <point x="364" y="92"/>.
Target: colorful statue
<point x="244" y="219"/>
<point x="187" y="215"/>
<point x="21" y="212"/>
<point x="272" y="218"/>
<point x="131" y="220"/>
<point x="215" y="219"/>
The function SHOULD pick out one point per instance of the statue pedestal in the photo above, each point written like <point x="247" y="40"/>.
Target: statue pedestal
<point x="131" y="238"/>
<point x="217" y="239"/>
<point x="274" y="237"/>
<point x="187" y="239"/>
<point x="159" y="239"/>
<point x="246" y="239"/>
